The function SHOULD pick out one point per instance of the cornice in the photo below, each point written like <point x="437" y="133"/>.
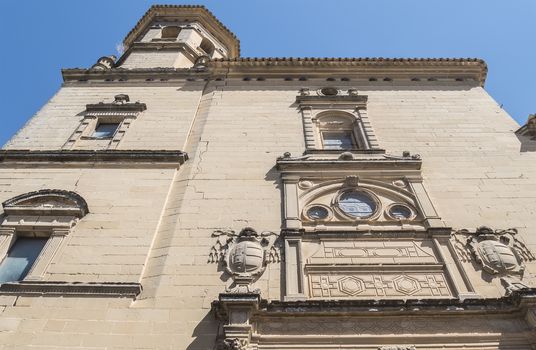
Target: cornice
<point x="194" y="13"/>
<point x="173" y="158"/>
<point x="512" y="303"/>
<point x="288" y="165"/>
<point x="360" y="67"/>
<point x="126" y="107"/>
<point x="72" y="289"/>
<point x="507" y="304"/>
<point x="82" y="74"/>
<point x="418" y="70"/>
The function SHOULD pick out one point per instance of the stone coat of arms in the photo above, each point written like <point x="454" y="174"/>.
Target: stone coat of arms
<point x="244" y="256"/>
<point x="498" y="252"/>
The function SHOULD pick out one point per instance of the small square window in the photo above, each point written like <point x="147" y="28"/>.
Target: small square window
<point x="105" y="130"/>
<point x="21" y="258"/>
<point x="338" y="140"/>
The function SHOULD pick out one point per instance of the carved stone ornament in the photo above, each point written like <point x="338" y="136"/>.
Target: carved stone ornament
<point x="104" y="63"/>
<point x="305" y="92"/>
<point x="201" y="62"/>
<point x="497" y="251"/>
<point x="233" y="344"/>
<point x="397" y="347"/>
<point x="513" y="284"/>
<point x="244" y="255"/>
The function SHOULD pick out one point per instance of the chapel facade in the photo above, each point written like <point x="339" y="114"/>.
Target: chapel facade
<point x="184" y="197"/>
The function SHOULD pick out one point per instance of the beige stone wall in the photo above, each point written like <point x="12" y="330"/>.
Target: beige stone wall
<point x="472" y="166"/>
<point x="164" y="125"/>
<point x="110" y="244"/>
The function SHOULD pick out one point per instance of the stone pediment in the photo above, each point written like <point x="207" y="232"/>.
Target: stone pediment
<point x="47" y="202"/>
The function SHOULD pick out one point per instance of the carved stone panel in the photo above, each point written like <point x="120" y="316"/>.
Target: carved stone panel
<point x="379" y="285"/>
<point x="375" y="252"/>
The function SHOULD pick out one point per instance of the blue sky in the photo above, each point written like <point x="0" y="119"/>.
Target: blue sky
<point x="41" y="37"/>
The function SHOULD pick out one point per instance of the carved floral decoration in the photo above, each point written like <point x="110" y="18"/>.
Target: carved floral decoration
<point x="233" y="344"/>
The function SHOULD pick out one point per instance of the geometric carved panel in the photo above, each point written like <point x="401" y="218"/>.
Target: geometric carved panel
<point x="385" y="285"/>
<point x="370" y="251"/>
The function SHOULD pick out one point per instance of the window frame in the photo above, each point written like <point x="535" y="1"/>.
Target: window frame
<point x="340" y="122"/>
<point x="121" y="112"/>
<point x="347" y="105"/>
<point x="47" y="214"/>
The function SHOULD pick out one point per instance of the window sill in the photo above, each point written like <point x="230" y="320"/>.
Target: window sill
<point x="96" y="138"/>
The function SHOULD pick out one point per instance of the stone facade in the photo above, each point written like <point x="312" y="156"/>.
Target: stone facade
<point x="218" y="216"/>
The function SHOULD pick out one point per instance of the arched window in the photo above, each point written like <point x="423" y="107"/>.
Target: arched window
<point x="207" y="46"/>
<point x="170" y="32"/>
<point x="32" y="229"/>
<point x="340" y="131"/>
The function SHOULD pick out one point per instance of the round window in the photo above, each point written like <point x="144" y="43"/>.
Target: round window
<point x="357" y="204"/>
<point x="317" y="213"/>
<point x="329" y="91"/>
<point x="400" y="212"/>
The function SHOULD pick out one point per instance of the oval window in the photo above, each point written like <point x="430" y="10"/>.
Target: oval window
<point x="329" y="91"/>
<point x="357" y="204"/>
<point x="317" y="213"/>
<point x="400" y="212"/>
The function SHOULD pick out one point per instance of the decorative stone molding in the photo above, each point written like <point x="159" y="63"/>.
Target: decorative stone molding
<point x="150" y="158"/>
<point x="358" y="68"/>
<point x="397" y="347"/>
<point x="529" y="129"/>
<point x="53" y="288"/>
<point x="244" y="256"/>
<point x="447" y="69"/>
<point x="47" y="202"/>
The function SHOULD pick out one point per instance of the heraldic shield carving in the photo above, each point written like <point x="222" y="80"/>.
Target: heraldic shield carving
<point x="244" y="256"/>
<point x="499" y="253"/>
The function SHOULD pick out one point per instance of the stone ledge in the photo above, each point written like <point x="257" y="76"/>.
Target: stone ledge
<point x="511" y="303"/>
<point x="40" y="288"/>
<point x="174" y="158"/>
<point x="289" y="164"/>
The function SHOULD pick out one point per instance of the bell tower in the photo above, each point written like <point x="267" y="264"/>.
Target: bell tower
<point x="174" y="36"/>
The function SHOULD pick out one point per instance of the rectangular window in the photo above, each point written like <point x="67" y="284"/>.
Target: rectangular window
<point x="338" y="140"/>
<point x="105" y="130"/>
<point x="21" y="258"/>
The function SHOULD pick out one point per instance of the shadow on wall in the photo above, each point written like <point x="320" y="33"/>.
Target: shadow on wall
<point x="205" y="333"/>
